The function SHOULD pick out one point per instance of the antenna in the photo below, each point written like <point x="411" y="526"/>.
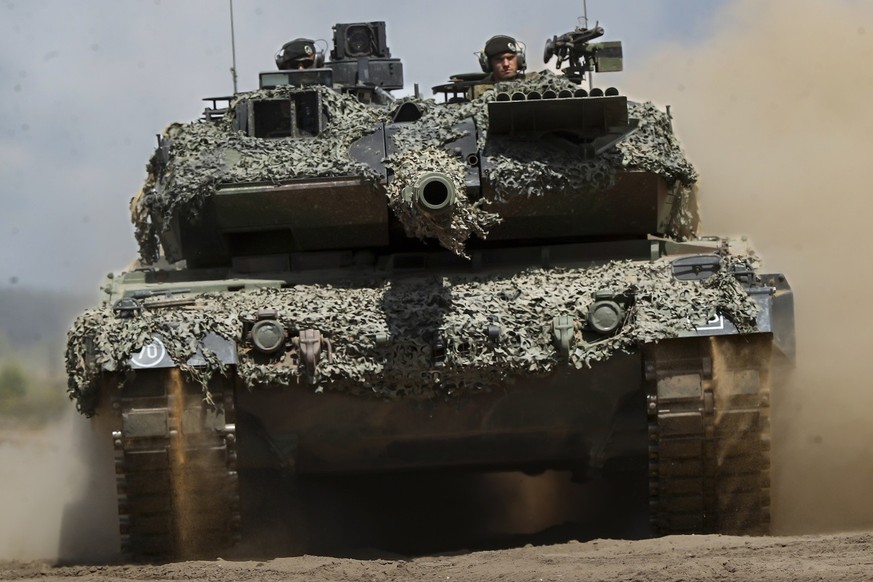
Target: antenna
<point x="232" y="49"/>
<point x="585" y="25"/>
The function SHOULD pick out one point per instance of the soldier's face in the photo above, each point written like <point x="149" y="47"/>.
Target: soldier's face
<point x="504" y="66"/>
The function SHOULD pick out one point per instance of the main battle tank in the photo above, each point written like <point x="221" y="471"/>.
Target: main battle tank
<point x="335" y="281"/>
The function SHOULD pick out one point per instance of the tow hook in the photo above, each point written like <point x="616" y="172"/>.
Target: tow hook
<point x="309" y="344"/>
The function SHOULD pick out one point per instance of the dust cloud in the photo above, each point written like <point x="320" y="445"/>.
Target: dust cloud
<point x="53" y="502"/>
<point x="774" y="108"/>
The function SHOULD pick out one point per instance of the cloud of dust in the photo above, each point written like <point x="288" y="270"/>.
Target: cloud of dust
<point x="774" y="108"/>
<point x="57" y="493"/>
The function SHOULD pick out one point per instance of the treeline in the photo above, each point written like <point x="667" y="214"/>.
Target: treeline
<point x="29" y="396"/>
<point x="32" y="381"/>
<point x="33" y="327"/>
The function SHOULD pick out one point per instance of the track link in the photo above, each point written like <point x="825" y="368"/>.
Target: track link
<point x="176" y="469"/>
<point x="709" y="435"/>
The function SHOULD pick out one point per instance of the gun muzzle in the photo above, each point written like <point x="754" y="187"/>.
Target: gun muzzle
<point x="434" y="193"/>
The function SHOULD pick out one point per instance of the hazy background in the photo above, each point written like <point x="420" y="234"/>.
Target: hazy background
<point x="772" y="101"/>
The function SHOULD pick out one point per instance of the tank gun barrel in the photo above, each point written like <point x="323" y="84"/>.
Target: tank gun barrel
<point x="433" y="193"/>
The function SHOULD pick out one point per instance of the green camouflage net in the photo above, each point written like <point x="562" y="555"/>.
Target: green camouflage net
<point x="551" y="165"/>
<point x="383" y="335"/>
<point x="460" y="221"/>
<point x="420" y="150"/>
<point x="205" y="154"/>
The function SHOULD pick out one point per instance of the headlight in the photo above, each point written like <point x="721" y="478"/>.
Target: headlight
<point x="268" y="335"/>
<point x="605" y="315"/>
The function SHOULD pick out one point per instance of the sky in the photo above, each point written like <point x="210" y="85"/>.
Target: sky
<point x="85" y="86"/>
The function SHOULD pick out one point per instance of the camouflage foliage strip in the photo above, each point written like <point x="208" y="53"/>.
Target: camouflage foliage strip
<point x="383" y="335"/>
<point x="206" y="154"/>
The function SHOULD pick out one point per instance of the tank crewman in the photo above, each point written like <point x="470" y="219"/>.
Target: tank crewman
<point x="502" y="58"/>
<point x="299" y="53"/>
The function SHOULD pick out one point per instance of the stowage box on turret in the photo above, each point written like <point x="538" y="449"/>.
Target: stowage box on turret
<point x="333" y="281"/>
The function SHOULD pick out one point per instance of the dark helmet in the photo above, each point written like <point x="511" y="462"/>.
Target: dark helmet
<point x="498" y="45"/>
<point x="296" y="51"/>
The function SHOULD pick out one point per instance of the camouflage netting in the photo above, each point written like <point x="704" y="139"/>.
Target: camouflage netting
<point x="204" y="155"/>
<point x="653" y="147"/>
<point x="419" y="150"/>
<point x="383" y="335"/>
<point x="463" y="218"/>
<point x="539" y="167"/>
<point x="533" y="168"/>
<point x="543" y="166"/>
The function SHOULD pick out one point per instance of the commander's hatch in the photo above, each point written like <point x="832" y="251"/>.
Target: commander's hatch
<point x="596" y="120"/>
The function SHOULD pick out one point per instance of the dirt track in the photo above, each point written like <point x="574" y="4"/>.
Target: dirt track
<point x="827" y="557"/>
<point x="818" y="557"/>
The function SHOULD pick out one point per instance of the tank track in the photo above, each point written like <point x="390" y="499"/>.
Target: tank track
<point x="176" y="471"/>
<point x="709" y="435"/>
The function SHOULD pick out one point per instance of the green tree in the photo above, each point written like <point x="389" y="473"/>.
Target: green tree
<point x="13" y="381"/>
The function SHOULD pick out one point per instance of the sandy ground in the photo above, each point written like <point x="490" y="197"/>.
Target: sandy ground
<point x="824" y="557"/>
<point x="846" y="556"/>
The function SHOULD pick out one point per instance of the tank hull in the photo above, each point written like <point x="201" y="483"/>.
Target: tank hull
<point x="576" y="419"/>
<point x="688" y="415"/>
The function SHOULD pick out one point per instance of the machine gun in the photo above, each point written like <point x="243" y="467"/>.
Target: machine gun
<point x="576" y="48"/>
